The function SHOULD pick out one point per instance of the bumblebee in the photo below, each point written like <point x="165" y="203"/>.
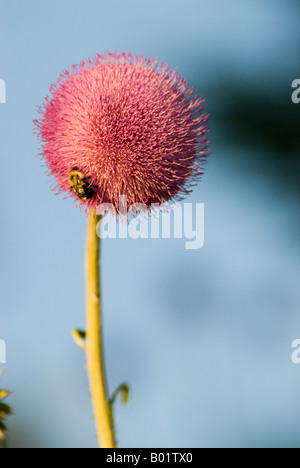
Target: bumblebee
<point x="79" y="184"/>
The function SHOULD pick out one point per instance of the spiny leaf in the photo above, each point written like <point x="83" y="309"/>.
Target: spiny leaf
<point x="4" y="394"/>
<point x="79" y="337"/>
<point x="122" y="390"/>
<point x="5" y="410"/>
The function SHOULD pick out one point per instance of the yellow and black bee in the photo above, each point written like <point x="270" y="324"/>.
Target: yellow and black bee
<point x="79" y="184"/>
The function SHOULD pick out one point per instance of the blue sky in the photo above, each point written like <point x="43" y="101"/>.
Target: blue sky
<point x="203" y="338"/>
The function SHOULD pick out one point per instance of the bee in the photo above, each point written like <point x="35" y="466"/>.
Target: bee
<point x="79" y="184"/>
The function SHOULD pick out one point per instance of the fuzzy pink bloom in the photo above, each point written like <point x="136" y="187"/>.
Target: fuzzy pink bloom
<point x="129" y="126"/>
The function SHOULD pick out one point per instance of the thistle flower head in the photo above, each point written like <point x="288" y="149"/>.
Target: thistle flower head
<point x="122" y="125"/>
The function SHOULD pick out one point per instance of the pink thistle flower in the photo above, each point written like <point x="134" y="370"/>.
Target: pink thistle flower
<point x="128" y="126"/>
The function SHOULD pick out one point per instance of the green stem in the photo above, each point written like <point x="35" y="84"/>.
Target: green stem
<point x="94" y="344"/>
